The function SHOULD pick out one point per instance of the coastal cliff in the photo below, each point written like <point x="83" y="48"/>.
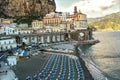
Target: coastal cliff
<point x="107" y="23"/>
<point x="21" y="8"/>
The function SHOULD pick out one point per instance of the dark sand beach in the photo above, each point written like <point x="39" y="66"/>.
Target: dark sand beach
<point x="35" y="64"/>
<point x="31" y="66"/>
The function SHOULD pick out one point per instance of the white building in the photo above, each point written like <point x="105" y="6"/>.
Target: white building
<point x="7" y="43"/>
<point x="80" y="20"/>
<point x="10" y="29"/>
<point x="23" y="25"/>
<point x="2" y="31"/>
<point x="27" y="30"/>
<point x="83" y="24"/>
<point x="12" y="60"/>
<point x="63" y="26"/>
<point x="64" y="16"/>
<point x="54" y="14"/>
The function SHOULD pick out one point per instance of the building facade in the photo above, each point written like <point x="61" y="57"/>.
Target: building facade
<point x="48" y="20"/>
<point x="52" y="19"/>
<point x="12" y="31"/>
<point x="6" y="21"/>
<point x="2" y="30"/>
<point x="27" y="30"/>
<point x="7" y="43"/>
<point x="63" y="26"/>
<point x="80" y="21"/>
<point x="37" y="24"/>
<point x="23" y="25"/>
<point x="64" y="16"/>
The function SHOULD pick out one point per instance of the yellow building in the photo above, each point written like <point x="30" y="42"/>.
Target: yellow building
<point x="37" y="24"/>
<point x="27" y="30"/>
<point x="80" y="19"/>
<point x="6" y="21"/>
<point x="55" y="28"/>
<point x="80" y="16"/>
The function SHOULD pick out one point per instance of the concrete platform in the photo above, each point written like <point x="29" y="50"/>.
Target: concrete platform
<point x="6" y="73"/>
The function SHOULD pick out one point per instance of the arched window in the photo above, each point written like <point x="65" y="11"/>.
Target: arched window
<point x="1" y="48"/>
<point x="4" y="42"/>
<point x="6" y="47"/>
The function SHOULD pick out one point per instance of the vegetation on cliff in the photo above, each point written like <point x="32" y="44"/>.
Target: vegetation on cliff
<point x="25" y="11"/>
<point x="22" y="8"/>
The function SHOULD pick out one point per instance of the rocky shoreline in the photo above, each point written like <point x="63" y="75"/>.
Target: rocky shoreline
<point x="94" y="71"/>
<point x="87" y="73"/>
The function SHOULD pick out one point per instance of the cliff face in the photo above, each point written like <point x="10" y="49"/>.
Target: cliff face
<point x="16" y="8"/>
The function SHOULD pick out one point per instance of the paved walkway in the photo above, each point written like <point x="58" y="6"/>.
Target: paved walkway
<point x="6" y="73"/>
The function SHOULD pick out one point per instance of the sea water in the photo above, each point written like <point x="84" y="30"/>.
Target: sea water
<point x="106" y="54"/>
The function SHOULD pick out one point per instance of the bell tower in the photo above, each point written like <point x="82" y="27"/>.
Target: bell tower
<point x="75" y="9"/>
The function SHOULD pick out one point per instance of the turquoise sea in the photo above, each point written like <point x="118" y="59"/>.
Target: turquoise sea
<point x="106" y="54"/>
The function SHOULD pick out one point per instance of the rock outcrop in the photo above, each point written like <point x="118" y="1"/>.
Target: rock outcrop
<point x="16" y="8"/>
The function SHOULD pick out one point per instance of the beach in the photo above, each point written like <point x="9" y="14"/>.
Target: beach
<point x="35" y="64"/>
<point x="31" y="66"/>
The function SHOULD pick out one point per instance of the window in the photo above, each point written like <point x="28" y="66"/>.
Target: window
<point x="4" y="42"/>
<point x="14" y="41"/>
<point x="18" y="32"/>
<point x="13" y="31"/>
<point x="6" y="47"/>
<point x="32" y="38"/>
<point x="1" y="48"/>
<point x="26" y="37"/>
<point x="10" y="47"/>
<point x="39" y="39"/>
